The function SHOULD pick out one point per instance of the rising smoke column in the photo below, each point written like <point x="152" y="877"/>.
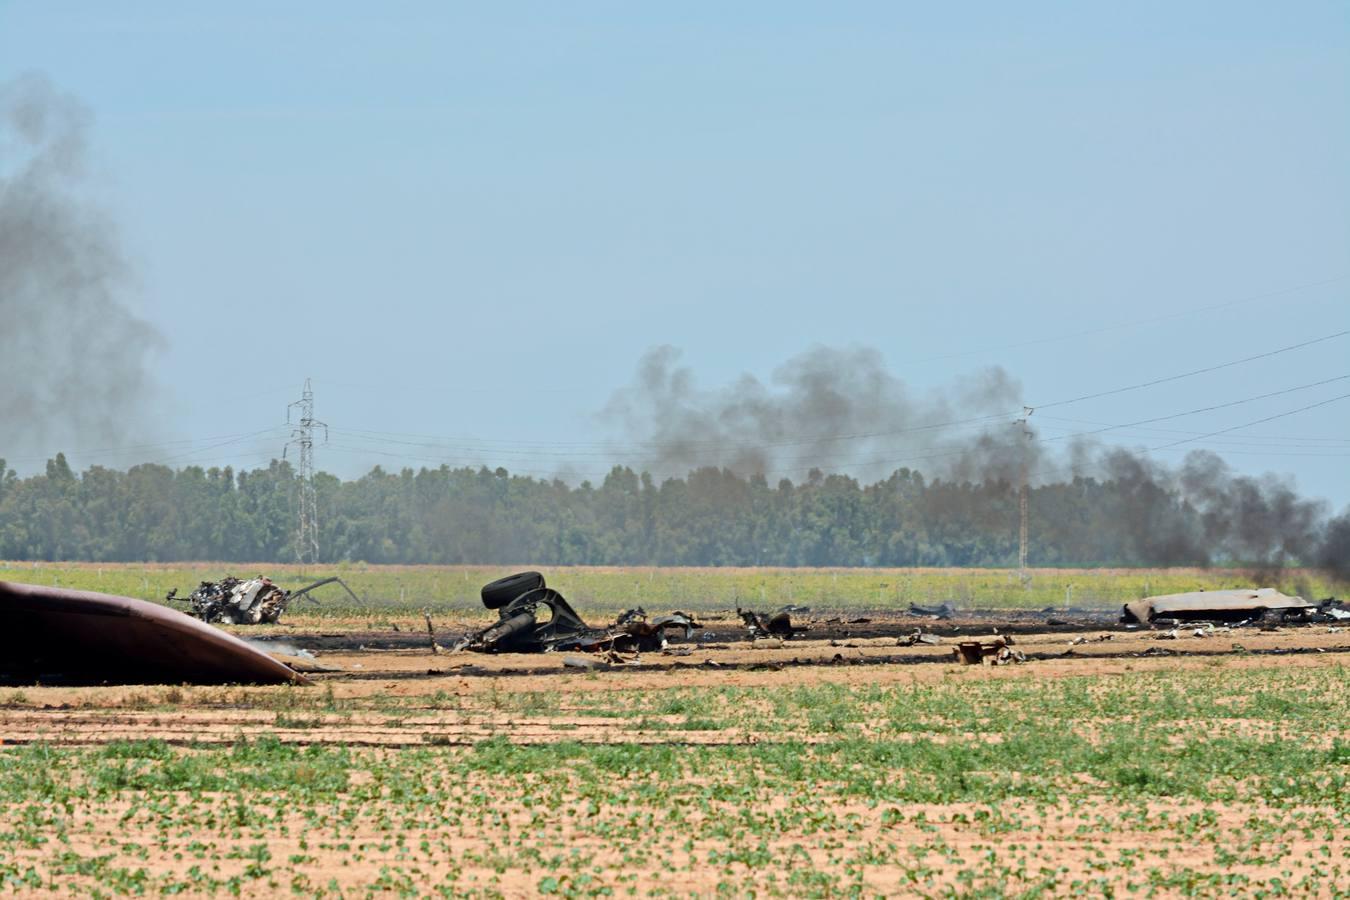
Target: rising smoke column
<point x="837" y="409"/>
<point x="73" y="357"/>
<point x="841" y="410"/>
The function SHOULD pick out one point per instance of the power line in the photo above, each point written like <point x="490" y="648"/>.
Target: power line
<point x="1137" y="322"/>
<point x="1205" y="409"/>
<point x="611" y="449"/>
<point x="1175" y="444"/>
<point x="1254" y="422"/>
<point x="813" y="461"/>
<point x="1207" y="369"/>
<point x="132" y="448"/>
<point x="1247" y="439"/>
<point x="608" y="447"/>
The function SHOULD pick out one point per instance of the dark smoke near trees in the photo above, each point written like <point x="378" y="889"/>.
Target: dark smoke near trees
<point x="72" y="355"/>
<point x="873" y="471"/>
<point x="840" y="410"/>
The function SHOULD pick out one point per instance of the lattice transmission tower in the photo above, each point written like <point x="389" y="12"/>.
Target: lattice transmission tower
<point x="307" y="531"/>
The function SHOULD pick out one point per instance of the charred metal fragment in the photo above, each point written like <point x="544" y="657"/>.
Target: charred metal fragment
<point x="945" y="611"/>
<point x="650" y="634"/>
<point x="252" y="602"/>
<point x="999" y="652"/>
<point x="918" y="637"/>
<point x="51" y="635"/>
<point x="777" y="625"/>
<point x="538" y="619"/>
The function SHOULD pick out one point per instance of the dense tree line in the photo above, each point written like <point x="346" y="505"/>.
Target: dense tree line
<point x="712" y="517"/>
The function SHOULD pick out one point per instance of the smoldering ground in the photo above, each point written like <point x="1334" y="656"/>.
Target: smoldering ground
<point x="73" y="356"/>
<point x="841" y="410"/>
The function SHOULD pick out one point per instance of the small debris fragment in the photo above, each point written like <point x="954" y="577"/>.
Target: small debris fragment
<point x="431" y="633"/>
<point x="945" y="611"/>
<point x="994" y="653"/>
<point x="777" y="625"/>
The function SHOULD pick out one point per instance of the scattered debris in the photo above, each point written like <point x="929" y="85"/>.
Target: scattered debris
<point x="945" y="611"/>
<point x="1221" y="606"/>
<point x="777" y="625"/>
<point x="534" y="618"/>
<point x="650" y="634"/>
<point x="54" y="635"/>
<point x="994" y="653"/>
<point x="918" y="637"/>
<point x="431" y="633"/>
<point x="252" y="602"/>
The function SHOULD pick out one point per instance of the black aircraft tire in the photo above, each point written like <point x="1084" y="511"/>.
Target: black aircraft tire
<point x="504" y="590"/>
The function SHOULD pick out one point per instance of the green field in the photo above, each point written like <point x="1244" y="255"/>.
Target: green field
<point x="406" y="590"/>
<point x="1208" y="782"/>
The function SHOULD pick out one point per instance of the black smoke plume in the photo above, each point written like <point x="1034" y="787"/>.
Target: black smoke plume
<point x="841" y="410"/>
<point x="73" y="357"/>
<point x="838" y="410"/>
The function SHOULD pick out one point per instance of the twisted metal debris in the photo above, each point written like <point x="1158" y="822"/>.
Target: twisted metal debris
<point x="534" y="618"/>
<point x="256" y="601"/>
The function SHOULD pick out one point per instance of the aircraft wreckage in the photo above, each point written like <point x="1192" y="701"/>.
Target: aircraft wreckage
<point x="251" y="602"/>
<point x="534" y="618"/>
<point x="1241" y="605"/>
<point x="54" y="635"/>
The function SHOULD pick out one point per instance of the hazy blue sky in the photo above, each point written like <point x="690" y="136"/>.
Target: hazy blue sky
<point x="472" y="220"/>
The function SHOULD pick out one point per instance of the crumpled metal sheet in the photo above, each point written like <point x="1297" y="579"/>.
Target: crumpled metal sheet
<point x="945" y="611"/>
<point x="82" y="637"/>
<point x="1226" y="606"/>
<point x="540" y="620"/>
<point x="255" y="601"/>
<point x="778" y="624"/>
<point x="238" y="602"/>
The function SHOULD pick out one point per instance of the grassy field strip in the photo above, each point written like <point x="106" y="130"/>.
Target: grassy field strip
<point x="1205" y="782"/>
<point x="406" y="590"/>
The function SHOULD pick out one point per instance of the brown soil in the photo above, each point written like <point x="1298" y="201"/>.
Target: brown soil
<point x="412" y="698"/>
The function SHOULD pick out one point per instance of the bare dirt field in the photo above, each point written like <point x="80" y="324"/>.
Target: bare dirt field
<point x="844" y="762"/>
